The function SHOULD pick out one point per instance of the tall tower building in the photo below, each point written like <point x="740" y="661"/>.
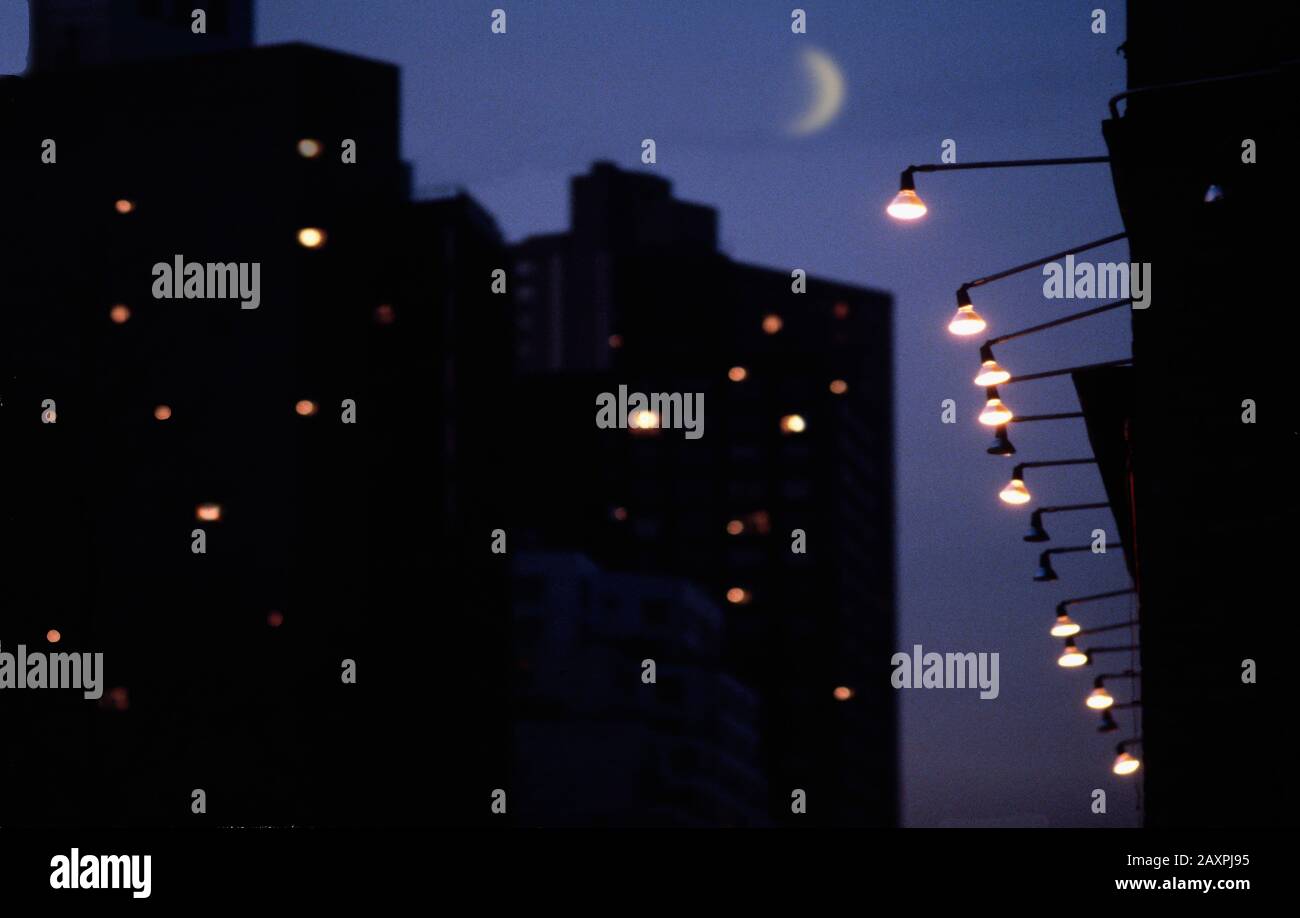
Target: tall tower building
<point x="782" y="510"/>
<point x="236" y="505"/>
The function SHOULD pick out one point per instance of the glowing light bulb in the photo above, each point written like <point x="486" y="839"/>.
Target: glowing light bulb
<point x="1065" y="627"/>
<point x="995" y="414"/>
<point x="991" y="374"/>
<point x="967" y="322"/>
<point x="1015" y="492"/>
<point x="906" y="205"/>
<point x="793" y="423"/>
<point x="1072" y="657"/>
<point x="1099" y="699"/>
<point x="1125" y="764"/>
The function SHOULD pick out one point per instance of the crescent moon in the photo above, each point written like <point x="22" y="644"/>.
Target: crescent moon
<point x="827" y="93"/>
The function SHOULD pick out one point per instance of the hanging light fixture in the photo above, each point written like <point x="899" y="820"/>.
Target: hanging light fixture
<point x="1065" y="627"/>
<point x="995" y="413"/>
<point x="1015" y="492"/>
<point x="1001" y="445"/>
<point x="1038" y="534"/>
<point x="1125" y="762"/>
<point x="1071" y="657"/>
<point x="907" y="204"/>
<point x="966" y="321"/>
<point x="1099" y="699"/>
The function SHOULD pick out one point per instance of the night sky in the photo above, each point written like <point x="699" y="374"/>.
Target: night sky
<point x="511" y="117"/>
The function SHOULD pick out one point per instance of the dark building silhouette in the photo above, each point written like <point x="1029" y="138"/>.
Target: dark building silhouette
<point x="71" y="34"/>
<point x="598" y="744"/>
<point x="364" y="540"/>
<point x="637" y="295"/>
<point x="1208" y="502"/>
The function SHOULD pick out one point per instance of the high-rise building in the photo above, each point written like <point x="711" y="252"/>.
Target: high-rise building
<point x="782" y="510"/>
<point x="235" y="505"/>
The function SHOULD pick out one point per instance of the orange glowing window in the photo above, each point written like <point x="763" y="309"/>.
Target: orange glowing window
<point x="737" y="374"/>
<point x="839" y="386"/>
<point x="311" y="237"/>
<point x="737" y="596"/>
<point x="305" y="407"/>
<point x="843" y="693"/>
<point x="119" y="314"/>
<point x="53" y="636"/>
<point x="772" y="323"/>
<point x="735" y="527"/>
<point x="208" y="513"/>
<point x="162" y="412"/>
<point x="123" y="206"/>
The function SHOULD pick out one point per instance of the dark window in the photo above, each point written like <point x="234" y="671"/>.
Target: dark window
<point x="218" y="16"/>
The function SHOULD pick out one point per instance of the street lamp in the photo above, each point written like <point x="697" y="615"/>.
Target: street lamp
<point x="1016" y="493"/>
<point x="907" y="205"/>
<point x="1038" y="534"/>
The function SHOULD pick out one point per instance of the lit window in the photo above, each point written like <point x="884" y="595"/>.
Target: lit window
<point x="208" y="513"/>
<point x="841" y="310"/>
<point x="615" y="341"/>
<point x="839" y="386"/>
<point x="737" y="374"/>
<point x="384" y="314"/>
<point x="619" y="513"/>
<point x="119" y="314"/>
<point x="793" y="423"/>
<point x="53" y="636"/>
<point x="162" y="412"/>
<point x="305" y="407"/>
<point x="643" y="420"/>
<point x="772" y="323"/>
<point x="310" y="237"/>
<point x="275" y="618"/>
<point x="308" y="148"/>
<point x="123" y="206"/>
<point x="735" y="527"/>
<point x="738" y="597"/>
<point x="843" y="693"/>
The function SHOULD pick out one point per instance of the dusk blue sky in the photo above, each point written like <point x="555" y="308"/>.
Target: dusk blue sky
<point x="512" y="117"/>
